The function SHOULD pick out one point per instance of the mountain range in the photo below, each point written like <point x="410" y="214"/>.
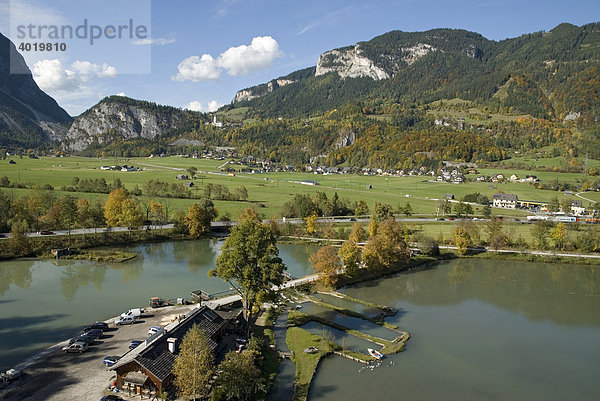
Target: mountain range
<point x="28" y="116"/>
<point x="550" y="76"/>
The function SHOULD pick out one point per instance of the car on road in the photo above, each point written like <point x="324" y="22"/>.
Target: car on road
<point x="2" y="236"/>
<point x="83" y="338"/>
<point x="134" y="344"/>
<point x="96" y="333"/>
<point x="45" y="232"/>
<point x="111" y="397"/>
<point x="98" y="326"/>
<point x="78" y="346"/>
<point x="125" y="320"/>
<point x="153" y="330"/>
<point x="110" y="360"/>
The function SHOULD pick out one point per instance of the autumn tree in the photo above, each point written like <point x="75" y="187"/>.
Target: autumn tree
<point x="559" y="236"/>
<point x="327" y="263"/>
<point x="462" y="239"/>
<point x="84" y="214"/>
<point x="381" y="211"/>
<point x="240" y="378"/>
<point x="387" y="249"/>
<point x="358" y="233"/>
<point x="157" y="212"/>
<point x="199" y="217"/>
<point x="193" y="365"/>
<point x="361" y="208"/>
<point x="349" y="255"/>
<point x="495" y="236"/>
<point x="250" y="262"/>
<point x="19" y="243"/>
<point x="122" y="210"/>
<point x="311" y="223"/>
<point x="113" y="207"/>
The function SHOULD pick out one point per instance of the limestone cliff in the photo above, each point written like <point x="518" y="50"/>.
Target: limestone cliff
<point x="121" y="118"/>
<point x="349" y="63"/>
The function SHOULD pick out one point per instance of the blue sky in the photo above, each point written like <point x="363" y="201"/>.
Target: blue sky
<point x="202" y="51"/>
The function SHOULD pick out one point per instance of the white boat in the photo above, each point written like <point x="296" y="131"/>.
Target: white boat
<point x="374" y="353"/>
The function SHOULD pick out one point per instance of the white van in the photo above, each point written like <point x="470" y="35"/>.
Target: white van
<point x="135" y="312"/>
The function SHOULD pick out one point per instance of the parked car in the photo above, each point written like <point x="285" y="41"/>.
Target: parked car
<point x="78" y="346"/>
<point x="153" y="330"/>
<point x="136" y="312"/>
<point x="98" y="325"/>
<point x="125" y="320"/>
<point x="45" y="232"/>
<point x="96" y="333"/>
<point x="82" y="338"/>
<point x="111" y="397"/>
<point x="134" y="344"/>
<point x="110" y="360"/>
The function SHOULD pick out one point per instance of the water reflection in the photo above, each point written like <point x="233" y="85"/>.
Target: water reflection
<point x="566" y="294"/>
<point x="198" y="254"/>
<point x="18" y="274"/>
<point x="75" y="276"/>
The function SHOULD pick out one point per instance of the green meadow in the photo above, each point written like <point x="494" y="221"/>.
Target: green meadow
<point x="268" y="192"/>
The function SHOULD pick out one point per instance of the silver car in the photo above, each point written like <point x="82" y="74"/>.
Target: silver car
<point x="77" y="346"/>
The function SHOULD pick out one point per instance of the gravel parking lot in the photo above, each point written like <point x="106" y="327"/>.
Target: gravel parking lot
<point x="58" y="376"/>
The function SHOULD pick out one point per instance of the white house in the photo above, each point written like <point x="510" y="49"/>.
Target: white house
<point x="508" y="201"/>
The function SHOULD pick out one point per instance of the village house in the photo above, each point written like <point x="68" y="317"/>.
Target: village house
<point x="577" y="208"/>
<point x="507" y="201"/>
<point x="148" y="369"/>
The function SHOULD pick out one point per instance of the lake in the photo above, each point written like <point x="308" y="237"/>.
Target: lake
<point x="43" y="302"/>
<point x="481" y="330"/>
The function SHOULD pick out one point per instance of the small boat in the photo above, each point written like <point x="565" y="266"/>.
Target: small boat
<point x="374" y="353"/>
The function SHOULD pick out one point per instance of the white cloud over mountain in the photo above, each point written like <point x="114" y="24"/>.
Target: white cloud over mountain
<point x="198" y="106"/>
<point x="52" y="76"/>
<point x="238" y="60"/>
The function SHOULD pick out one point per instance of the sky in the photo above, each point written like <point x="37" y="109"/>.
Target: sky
<point x="197" y="54"/>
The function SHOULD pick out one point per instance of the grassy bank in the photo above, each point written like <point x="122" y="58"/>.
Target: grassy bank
<point x="298" y="340"/>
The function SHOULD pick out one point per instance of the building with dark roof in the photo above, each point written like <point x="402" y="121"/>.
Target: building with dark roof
<point x="505" y="200"/>
<point x="149" y="367"/>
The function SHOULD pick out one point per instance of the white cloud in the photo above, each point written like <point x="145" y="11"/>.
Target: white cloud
<point x="238" y="60"/>
<point x="196" y="68"/>
<point x="121" y="94"/>
<point x="154" y="41"/>
<point x="52" y="76"/>
<point x="246" y="59"/>
<point x="87" y="68"/>
<point x="213" y="105"/>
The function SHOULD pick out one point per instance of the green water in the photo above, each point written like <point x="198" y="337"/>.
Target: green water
<point x="481" y="330"/>
<point x="43" y="302"/>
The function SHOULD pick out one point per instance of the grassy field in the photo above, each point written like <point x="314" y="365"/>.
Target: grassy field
<point x="268" y="192"/>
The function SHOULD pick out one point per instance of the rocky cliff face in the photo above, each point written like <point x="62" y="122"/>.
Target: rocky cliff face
<point x="113" y="119"/>
<point x="28" y="116"/>
<point x="349" y="63"/>
<point x="258" y="91"/>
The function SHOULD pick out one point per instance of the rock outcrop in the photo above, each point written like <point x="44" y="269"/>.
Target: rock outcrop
<point x="349" y="63"/>
<point x="121" y="118"/>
